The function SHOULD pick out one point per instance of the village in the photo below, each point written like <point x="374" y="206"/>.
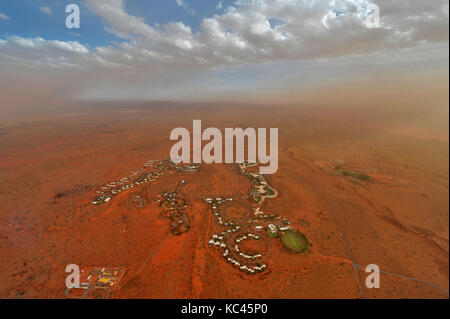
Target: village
<point x="175" y="208"/>
<point x="136" y="178"/>
<point x="258" y="226"/>
<point x="261" y="189"/>
<point x="96" y="282"/>
<point x="142" y="176"/>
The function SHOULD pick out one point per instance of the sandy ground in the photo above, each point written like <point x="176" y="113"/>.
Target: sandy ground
<point x="51" y="164"/>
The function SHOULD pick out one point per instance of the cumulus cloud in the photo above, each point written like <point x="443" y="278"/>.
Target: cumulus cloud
<point x="46" y="10"/>
<point x="38" y="52"/>
<point x="246" y="32"/>
<point x="249" y="32"/>
<point x="255" y="32"/>
<point x="3" y="16"/>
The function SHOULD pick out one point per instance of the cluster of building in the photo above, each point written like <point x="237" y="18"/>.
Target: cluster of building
<point x="276" y="226"/>
<point x="261" y="189"/>
<point x="176" y="208"/>
<point x="95" y="279"/>
<point x="150" y="172"/>
<point x="249" y="269"/>
<point x="215" y="203"/>
<point x="229" y="240"/>
<point x="167" y="164"/>
<point x="140" y="177"/>
<point x="184" y="168"/>
<point x="242" y="238"/>
<point x="164" y="164"/>
<point x="260" y="215"/>
<point x="111" y="189"/>
<point x="107" y="277"/>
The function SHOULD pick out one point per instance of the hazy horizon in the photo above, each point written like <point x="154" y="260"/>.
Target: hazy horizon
<point x="237" y="51"/>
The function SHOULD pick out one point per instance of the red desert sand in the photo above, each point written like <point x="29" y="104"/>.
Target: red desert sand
<point x="358" y="192"/>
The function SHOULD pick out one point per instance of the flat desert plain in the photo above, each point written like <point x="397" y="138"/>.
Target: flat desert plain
<point x="360" y="190"/>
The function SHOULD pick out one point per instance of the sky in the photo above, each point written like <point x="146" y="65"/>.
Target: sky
<point x="210" y="49"/>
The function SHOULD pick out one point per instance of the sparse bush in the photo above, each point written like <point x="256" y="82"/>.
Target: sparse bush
<point x="356" y="174"/>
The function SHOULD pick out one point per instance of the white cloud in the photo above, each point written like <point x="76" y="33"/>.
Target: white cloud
<point x="4" y="17"/>
<point x="42" y="53"/>
<point x="40" y="43"/>
<point x="249" y="32"/>
<point x="120" y="22"/>
<point x="246" y="33"/>
<point x="186" y="6"/>
<point x="46" y="10"/>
